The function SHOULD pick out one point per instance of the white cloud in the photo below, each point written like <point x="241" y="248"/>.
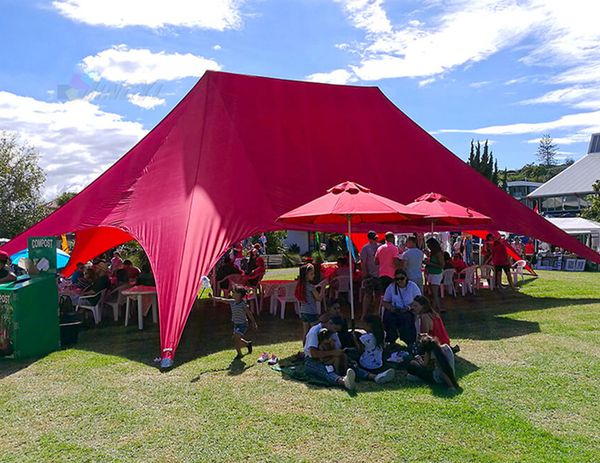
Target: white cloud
<point x="338" y="76"/>
<point x="217" y="47"/>
<point x="204" y="14"/>
<point x="426" y="82"/>
<point x="464" y="32"/>
<point x="576" y="96"/>
<point x="76" y="139"/>
<point x="584" y="123"/>
<point x="367" y="14"/>
<point x="145" y="101"/>
<point x="459" y="32"/>
<point x="480" y="84"/>
<point x="141" y="66"/>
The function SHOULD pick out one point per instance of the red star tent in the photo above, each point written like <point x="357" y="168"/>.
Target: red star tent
<point x="239" y="151"/>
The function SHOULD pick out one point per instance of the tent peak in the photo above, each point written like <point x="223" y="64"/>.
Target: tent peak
<point x="431" y="197"/>
<point x="348" y="187"/>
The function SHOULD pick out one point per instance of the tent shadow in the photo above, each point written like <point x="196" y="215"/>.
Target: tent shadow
<point x="208" y="330"/>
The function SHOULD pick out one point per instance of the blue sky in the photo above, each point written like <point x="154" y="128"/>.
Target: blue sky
<point x="84" y="80"/>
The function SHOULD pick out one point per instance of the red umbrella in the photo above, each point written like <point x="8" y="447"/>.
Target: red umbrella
<point x="350" y="203"/>
<point x="439" y="210"/>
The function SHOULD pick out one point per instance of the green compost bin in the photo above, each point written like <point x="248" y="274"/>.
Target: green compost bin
<point x="29" y="324"/>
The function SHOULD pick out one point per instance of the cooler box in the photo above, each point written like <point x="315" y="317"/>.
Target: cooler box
<point x="29" y="317"/>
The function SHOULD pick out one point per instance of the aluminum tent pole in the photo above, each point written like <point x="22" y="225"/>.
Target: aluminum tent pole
<point x="350" y="267"/>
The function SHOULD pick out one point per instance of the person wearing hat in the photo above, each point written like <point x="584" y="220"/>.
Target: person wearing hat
<point x="370" y="272"/>
<point x="6" y="275"/>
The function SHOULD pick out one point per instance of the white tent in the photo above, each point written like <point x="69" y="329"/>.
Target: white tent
<point x="586" y="231"/>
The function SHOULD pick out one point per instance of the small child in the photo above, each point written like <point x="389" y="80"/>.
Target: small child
<point x="240" y="313"/>
<point x="370" y="344"/>
<point x="339" y="364"/>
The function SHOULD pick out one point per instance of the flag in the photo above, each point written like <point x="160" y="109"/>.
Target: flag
<point x="64" y="244"/>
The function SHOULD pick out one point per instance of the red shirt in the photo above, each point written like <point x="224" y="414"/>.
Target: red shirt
<point x="132" y="272"/>
<point x="529" y="249"/>
<point x="459" y="265"/>
<point x="499" y="254"/>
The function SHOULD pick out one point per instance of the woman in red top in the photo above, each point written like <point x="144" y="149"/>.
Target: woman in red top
<point x="501" y="262"/>
<point x="458" y="263"/>
<point x="430" y="321"/>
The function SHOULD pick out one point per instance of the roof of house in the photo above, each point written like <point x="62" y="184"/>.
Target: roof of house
<point x="575" y="179"/>
<point x="574" y="224"/>
<point x="523" y="183"/>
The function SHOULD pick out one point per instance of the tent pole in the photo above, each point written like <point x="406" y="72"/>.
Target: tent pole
<point x="351" y="296"/>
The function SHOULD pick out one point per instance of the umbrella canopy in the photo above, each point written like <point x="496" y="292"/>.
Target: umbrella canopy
<point x="61" y="257"/>
<point x="350" y="203"/>
<point x="440" y="211"/>
<point x="349" y="200"/>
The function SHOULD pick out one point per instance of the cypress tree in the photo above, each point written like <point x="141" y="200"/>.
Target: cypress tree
<point x="471" y="155"/>
<point x="477" y="159"/>
<point x="495" y="174"/>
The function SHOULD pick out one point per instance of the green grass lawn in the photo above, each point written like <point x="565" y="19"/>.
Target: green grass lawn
<point x="529" y="371"/>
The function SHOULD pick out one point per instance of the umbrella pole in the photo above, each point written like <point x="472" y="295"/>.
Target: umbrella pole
<point x="351" y="271"/>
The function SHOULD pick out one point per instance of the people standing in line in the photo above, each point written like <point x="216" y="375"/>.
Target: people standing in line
<point x="412" y="262"/>
<point x="371" y="286"/>
<point x="385" y="257"/>
<point x="398" y="319"/>
<point x="240" y="314"/>
<point x="434" y="265"/>
<point x="308" y="296"/>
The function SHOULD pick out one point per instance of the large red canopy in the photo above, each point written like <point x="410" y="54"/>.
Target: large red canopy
<point x="239" y="151"/>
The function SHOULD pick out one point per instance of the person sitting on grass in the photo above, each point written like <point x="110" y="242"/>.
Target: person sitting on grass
<point x="328" y="342"/>
<point x="370" y="344"/>
<point x="240" y="314"/>
<point x="429" y="321"/>
<point x="435" y="366"/>
<point x="318" y="363"/>
<point x="334" y="312"/>
<point x="308" y="296"/>
<point x="6" y="275"/>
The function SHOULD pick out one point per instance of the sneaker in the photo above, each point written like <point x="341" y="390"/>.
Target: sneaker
<point x="350" y="380"/>
<point x="263" y="358"/>
<point x="249" y="346"/>
<point x="273" y="360"/>
<point x="385" y="377"/>
<point x="456" y="349"/>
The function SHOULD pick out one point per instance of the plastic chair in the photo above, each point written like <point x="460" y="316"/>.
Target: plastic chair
<point x="341" y="284"/>
<point x="448" y="282"/>
<point x="466" y="280"/>
<point x="232" y="280"/>
<point x="120" y="300"/>
<point x="486" y="272"/>
<point x="285" y="295"/>
<point x="517" y="270"/>
<point x="85" y="303"/>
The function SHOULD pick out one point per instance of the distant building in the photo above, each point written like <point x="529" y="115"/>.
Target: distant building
<point x="564" y="195"/>
<point x="519" y="189"/>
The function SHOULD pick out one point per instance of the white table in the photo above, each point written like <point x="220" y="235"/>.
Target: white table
<point x="138" y="292"/>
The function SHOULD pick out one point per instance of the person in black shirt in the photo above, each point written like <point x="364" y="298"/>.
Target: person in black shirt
<point x="6" y="275"/>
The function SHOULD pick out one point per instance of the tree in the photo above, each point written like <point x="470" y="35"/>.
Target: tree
<point x="593" y="211"/>
<point x="484" y="163"/>
<point x="64" y="198"/>
<point x="505" y="180"/>
<point x="547" y="151"/>
<point x="21" y="179"/>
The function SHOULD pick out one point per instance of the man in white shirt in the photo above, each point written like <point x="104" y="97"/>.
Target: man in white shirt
<point x="412" y="262"/>
<point x="314" y="366"/>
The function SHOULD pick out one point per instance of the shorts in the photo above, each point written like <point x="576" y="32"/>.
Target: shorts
<point x="309" y="317"/>
<point x="240" y="329"/>
<point x="371" y="284"/>
<point x="499" y="268"/>
<point x="435" y="279"/>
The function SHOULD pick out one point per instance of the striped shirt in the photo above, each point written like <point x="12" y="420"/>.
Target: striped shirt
<point x="238" y="313"/>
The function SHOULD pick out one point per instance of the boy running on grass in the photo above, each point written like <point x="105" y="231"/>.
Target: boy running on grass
<point x="240" y="313"/>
